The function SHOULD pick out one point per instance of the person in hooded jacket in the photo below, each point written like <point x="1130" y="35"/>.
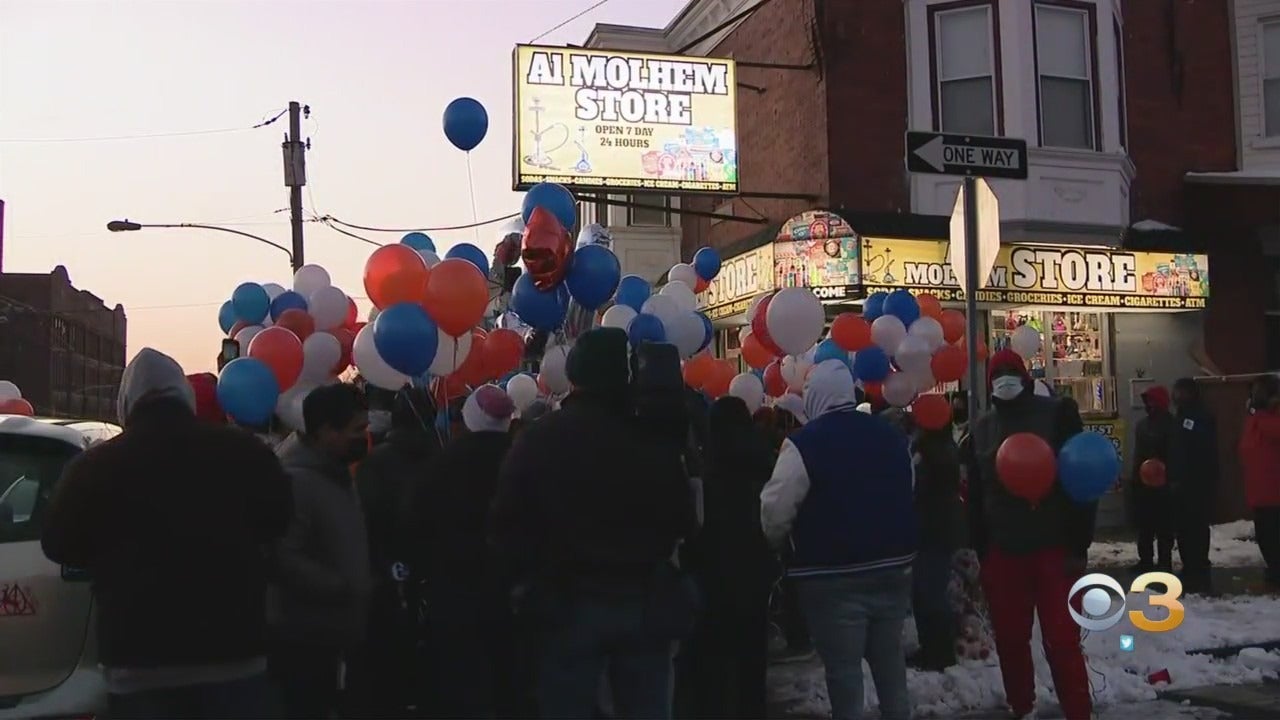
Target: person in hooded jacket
<point x="1192" y="472"/>
<point x="734" y="567"/>
<point x="789" y="414"/>
<point x="171" y="519"/>
<point x="470" y="632"/>
<point x="1151" y="506"/>
<point x="320" y="597"/>
<point x="1260" y="456"/>
<point x="1030" y="554"/>
<point x="382" y="681"/>
<point x="842" y="491"/>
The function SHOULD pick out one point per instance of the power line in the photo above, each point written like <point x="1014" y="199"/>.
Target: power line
<point x="331" y="219"/>
<point x="336" y="229"/>
<point x="143" y="136"/>
<point x="566" y="22"/>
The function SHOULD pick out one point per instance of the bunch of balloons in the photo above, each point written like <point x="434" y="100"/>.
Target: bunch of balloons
<point x="1087" y="466"/>
<point x="12" y="402"/>
<point x="291" y="341"/>
<point x="669" y="315"/>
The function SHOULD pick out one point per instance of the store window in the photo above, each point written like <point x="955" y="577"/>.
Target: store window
<point x="1271" y="77"/>
<point x="1074" y="358"/>
<point x="656" y="212"/>
<point x="966" y="70"/>
<point x="1064" y="61"/>
<point x="1120" y="96"/>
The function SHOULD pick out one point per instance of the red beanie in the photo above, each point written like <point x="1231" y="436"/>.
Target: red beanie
<point x="1005" y="362"/>
<point x="205" y="386"/>
<point x="1157" y="396"/>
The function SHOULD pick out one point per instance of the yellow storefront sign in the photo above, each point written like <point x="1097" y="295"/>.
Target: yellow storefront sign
<point x="603" y="120"/>
<point x="1045" y="275"/>
<point x="741" y="279"/>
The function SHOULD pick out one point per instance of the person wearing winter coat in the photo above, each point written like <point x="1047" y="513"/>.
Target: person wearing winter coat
<point x="319" y="601"/>
<point x="942" y="532"/>
<point x="1192" y="472"/>
<point x="789" y="414"/>
<point x="1152" y="508"/>
<point x="1260" y="456"/>
<point x="842" y="491"/>
<point x="1031" y="554"/>
<point x="171" y="520"/>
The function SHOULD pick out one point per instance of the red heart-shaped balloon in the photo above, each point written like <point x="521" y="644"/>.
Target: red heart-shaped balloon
<point x="546" y="249"/>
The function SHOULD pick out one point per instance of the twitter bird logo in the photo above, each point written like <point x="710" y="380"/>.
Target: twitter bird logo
<point x="1126" y="643"/>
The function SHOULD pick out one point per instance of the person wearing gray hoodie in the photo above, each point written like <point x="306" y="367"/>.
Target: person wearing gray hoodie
<point x="171" y="520"/>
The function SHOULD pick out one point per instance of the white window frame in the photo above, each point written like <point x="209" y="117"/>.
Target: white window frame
<point x="1090" y="50"/>
<point x="664" y="200"/>
<point x="993" y="72"/>
<point x="1263" y="24"/>
<point x="1122" y="83"/>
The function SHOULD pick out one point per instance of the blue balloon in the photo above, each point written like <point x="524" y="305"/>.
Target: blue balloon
<point x="829" y="350"/>
<point x="287" y="300"/>
<point x="556" y="199"/>
<point x="248" y="391"/>
<point x="250" y="302"/>
<point x="873" y="306"/>
<point x="465" y="123"/>
<point x="646" y="328"/>
<point x="902" y="305"/>
<point x="706" y="263"/>
<point x="1088" y="466"/>
<point x="871" y="364"/>
<point x="406" y="337"/>
<point x="593" y="276"/>
<point x="538" y="309"/>
<point x="709" y="331"/>
<point x="471" y="254"/>
<point x="419" y="241"/>
<point x="633" y="291"/>
<point x="227" y="317"/>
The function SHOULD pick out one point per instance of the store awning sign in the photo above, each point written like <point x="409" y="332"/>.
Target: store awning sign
<point x="1045" y="275"/>
<point x="819" y="250"/>
<point x="741" y="279"/>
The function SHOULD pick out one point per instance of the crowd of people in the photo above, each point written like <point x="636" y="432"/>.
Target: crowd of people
<point x="625" y="554"/>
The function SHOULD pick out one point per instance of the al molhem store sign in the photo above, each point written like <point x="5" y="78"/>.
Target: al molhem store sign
<point x="603" y="119"/>
<point x="1044" y="275"/>
<point x="741" y="279"/>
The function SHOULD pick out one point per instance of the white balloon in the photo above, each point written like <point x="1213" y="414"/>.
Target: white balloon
<point x="665" y="309"/>
<point x="328" y="307"/>
<point x="430" y="258"/>
<point x="686" y="333"/>
<point x="371" y="365"/>
<point x="450" y="353"/>
<point x="795" y="370"/>
<point x="748" y="388"/>
<point x="899" y="389"/>
<point x="523" y="391"/>
<point x="553" y="369"/>
<point x="1025" y="341"/>
<point x="913" y="353"/>
<point x="923" y="379"/>
<point x="9" y="391"/>
<point x="795" y="320"/>
<point x="682" y="294"/>
<point x="321" y="353"/>
<point x="930" y="331"/>
<point x="1042" y="389"/>
<point x="245" y="336"/>
<point x="683" y="273"/>
<point x="618" y="316"/>
<point x="274" y="290"/>
<point x="887" y="333"/>
<point x="289" y="406"/>
<point x="309" y="279"/>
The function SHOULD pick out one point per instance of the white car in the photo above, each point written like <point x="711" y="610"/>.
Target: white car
<point x="48" y="665"/>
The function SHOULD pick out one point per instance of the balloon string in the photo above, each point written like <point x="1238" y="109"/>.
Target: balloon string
<point x="471" y="184"/>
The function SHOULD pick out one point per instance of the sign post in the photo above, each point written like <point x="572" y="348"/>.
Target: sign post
<point x="970" y="156"/>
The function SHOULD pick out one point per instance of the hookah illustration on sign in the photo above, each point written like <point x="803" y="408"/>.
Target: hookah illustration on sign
<point x="584" y="161"/>
<point x="879" y="263"/>
<point x="541" y="157"/>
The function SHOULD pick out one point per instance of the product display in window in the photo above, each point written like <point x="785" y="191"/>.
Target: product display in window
<point x="1005" y="323"/>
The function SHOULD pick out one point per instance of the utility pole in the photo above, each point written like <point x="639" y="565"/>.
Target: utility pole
<point x="295" y="175"/>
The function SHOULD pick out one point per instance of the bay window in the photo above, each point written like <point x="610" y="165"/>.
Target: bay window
<point x="964" y="53"/>
<point x="1064" y="33"/>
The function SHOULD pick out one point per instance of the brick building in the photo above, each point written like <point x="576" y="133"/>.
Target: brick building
<point x="63" y="347"/>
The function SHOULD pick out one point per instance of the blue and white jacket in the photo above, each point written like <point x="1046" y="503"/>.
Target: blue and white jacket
<point x="843" y="489"/>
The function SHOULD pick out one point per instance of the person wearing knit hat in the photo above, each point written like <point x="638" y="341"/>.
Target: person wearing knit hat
<point x="1031" y="554"/>
<point x="590" y="509"/>
<point x="488" y="409"/>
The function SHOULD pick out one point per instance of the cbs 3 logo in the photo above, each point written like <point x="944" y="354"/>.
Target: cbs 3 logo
<point x="1097" y="603"/>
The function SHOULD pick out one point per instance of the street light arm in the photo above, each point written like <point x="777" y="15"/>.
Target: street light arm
<point x="241" y="233"/>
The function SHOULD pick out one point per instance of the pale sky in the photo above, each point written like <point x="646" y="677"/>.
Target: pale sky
<point x="376" y="73"/>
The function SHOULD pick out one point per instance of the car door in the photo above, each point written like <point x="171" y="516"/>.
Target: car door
<point x="44" y="619"/>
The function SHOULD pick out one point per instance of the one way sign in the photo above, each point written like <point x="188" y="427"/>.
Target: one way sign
<point x="976" y="155"/>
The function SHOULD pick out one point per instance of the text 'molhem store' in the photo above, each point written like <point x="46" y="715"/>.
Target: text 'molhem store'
<point x="1071" y="294"/>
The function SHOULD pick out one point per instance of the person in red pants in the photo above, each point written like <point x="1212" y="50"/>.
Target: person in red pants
<point x="1031" y="554"/>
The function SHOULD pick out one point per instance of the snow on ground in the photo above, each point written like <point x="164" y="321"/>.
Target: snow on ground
<point x="1231" y="545"/>
<point x="1119" y="677"/>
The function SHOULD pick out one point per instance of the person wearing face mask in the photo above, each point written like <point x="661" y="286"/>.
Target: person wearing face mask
<point x="1260" y="456"/>
<point x="1030" y="554"/>
<point x="1192" y="471"/>
<point x="319" y="602"/>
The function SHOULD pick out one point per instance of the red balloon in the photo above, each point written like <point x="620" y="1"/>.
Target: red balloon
<point x="760" y="328"/>
<point x="1026" y="466"/>
<point x="982" y="350"/>
<point x="281" y="350"/>
<point x="756" y="355"/>
<point x="722" y="373"/>
<point x="931" y="411"/>
<point x="240" y="325"/>
<point x="1153" y="473"/>
<point x="948" y="364"/>
<point x="543" y="388"/>
<point x="929" y="306"/>
<point x="395" y="274"/>
<point x="871" y="390"/>
<point x="774" y="384"/>
<point x="346" y="340"/>
<point x="503" y="352"/>
<point x="297" y="321"/>
<point x="472" y="370"/>
<point x="952" y="322"/>
<point x="353" y="314"/>
<point x="546" y="249"/>
<point x="456" y="296"/>
<point x="697" y="370"/>
<point x="701" y="285"/>
<point x="851" y="332"/>
<point x="17" y="406"/>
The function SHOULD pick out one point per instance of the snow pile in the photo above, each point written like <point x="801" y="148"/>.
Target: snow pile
<point x="1118" y="676"/>
<point x="1230" y="545"/>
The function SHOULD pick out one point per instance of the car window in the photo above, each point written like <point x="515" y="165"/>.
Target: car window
<point x="29" y="470"/>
